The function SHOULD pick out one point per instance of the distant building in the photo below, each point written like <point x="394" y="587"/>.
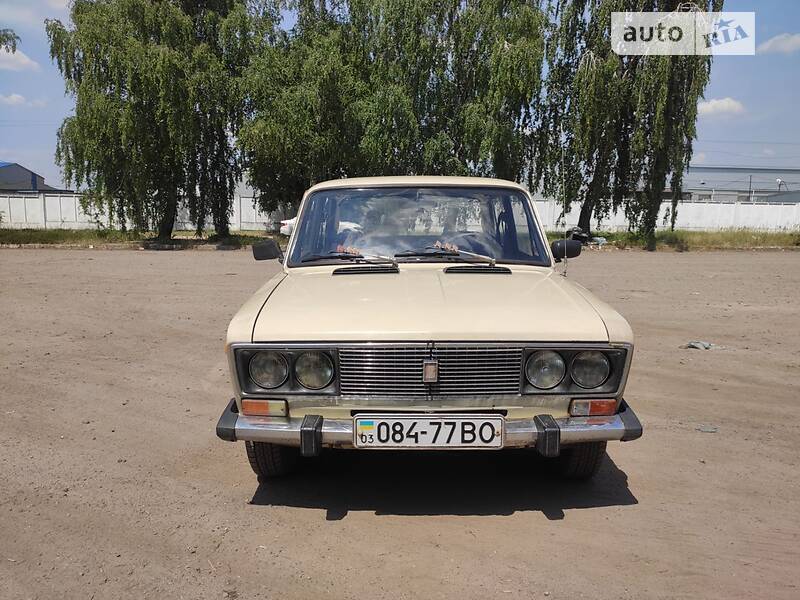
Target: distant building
<point x="16" y="178"/>
<point x="771" y="185"/>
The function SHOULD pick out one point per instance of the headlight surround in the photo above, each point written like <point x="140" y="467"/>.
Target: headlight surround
<point x="268" y="369"/>
<point x="314" y="370"/>
<point x="590" y="369"/>
<point x="545" y="369"/>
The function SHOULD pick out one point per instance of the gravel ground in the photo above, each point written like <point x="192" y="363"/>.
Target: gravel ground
<point x="113" y="484"/>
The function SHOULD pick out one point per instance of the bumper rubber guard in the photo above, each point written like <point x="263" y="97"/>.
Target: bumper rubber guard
<point x="226" y="426"/>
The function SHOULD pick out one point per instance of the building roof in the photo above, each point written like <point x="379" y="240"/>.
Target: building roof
<point x="15" y="177"/>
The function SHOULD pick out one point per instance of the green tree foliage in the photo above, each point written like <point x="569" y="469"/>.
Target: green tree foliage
<point x="175" y="97"/>
<point x="157" y="106"/>
<point x="628" y="121"/>
<point x="383" y="87"/>
<point x="511" y="89"/>
<point x="8" y="40"/>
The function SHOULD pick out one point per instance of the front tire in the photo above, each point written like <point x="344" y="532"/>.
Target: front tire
<point x="579" y="461"/>
<point x="271" y="460"/>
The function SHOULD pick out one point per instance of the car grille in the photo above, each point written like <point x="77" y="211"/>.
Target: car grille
<point x="397" y="370"/>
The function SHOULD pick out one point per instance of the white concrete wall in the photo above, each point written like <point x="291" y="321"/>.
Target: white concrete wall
<point x="63" y="211"/>
<point x="32" y="210"/>
<point x="699" y="216"/>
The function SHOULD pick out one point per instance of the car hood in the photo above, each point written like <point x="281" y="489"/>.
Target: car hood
<point x="422" y="303"/>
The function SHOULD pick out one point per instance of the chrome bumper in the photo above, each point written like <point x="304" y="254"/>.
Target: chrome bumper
<point x="519" y="433"/>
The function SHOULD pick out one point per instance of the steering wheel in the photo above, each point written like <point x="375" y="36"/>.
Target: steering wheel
<point x="351" y="237"/>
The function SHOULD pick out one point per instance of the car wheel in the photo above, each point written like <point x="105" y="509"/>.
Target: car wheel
<point x="271" y="460"/>
<point x="579" y="461"/>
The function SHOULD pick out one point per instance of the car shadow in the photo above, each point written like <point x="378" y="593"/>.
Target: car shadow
<point x="440" y="483"/>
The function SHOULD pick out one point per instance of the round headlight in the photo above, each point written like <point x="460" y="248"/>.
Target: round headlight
<point x="545" y="369"/>
<point x="269" y="369"/>
<point x="314" y="370"/>
<point x="590" y="369"/>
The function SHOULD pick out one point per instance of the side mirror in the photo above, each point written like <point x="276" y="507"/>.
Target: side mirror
<point x="267" y="250"/>
<point x="565" y="249"/>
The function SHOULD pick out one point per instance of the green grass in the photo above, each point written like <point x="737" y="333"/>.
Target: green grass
<point x="683" y="240"/>
<point x="730" y="238"/>
<point x="68" y="236"/>
<point x="89" y="237"/>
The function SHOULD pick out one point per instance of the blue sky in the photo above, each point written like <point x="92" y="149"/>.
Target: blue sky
<point x="749" y="117"/>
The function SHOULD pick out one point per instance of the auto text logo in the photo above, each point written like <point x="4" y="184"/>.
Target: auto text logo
<point x="685" y="33"/>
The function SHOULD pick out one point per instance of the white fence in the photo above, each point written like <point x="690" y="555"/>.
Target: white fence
<point x="63" y="211"/>
<point x="693" y="215"/>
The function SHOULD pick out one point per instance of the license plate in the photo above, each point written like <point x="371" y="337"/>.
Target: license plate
<point x="428" y="431"/>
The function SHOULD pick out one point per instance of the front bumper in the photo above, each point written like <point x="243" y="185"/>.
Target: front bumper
<point x="543" y="431"/>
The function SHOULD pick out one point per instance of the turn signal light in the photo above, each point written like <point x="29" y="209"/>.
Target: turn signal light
<point x="263" y="408"/>
<point x="592" y="407"/>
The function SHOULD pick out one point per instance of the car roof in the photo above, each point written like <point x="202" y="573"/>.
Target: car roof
<point x="413" y="181"/>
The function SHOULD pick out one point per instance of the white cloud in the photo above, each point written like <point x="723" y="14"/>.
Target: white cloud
<point x="699" y="158"/>
<point x="12" y="99"/>
<point x="769" y="151"/>
<point x="784" y="43"/>
<point x="719" y="107"/>
<point x="20" y="100"/>
<point x="16" y="61"/>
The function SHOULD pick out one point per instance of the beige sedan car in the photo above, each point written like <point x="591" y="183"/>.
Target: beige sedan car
<point x="425" y="313"/>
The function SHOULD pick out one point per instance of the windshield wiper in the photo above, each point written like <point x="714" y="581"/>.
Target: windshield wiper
<point x="440" y="251"/>
<point x="367" y="258"/>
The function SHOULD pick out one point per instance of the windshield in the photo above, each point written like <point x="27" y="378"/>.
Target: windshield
<point x="436" y="223"/>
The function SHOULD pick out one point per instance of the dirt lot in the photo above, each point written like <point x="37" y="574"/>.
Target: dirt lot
<point x="113" y="484"/>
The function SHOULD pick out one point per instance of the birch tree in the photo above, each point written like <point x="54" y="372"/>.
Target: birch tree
<point x="157" y="106"/>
